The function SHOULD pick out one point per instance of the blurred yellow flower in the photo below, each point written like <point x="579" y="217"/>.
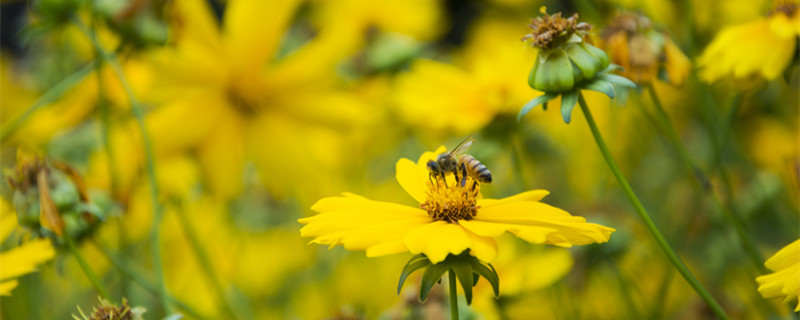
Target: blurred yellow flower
<point x="741" y="50"/>
<point x="785" y="280"/>
<point x="453" y="218"/>
<point x="22" y="259"/>
<point x="228" y="100"/>
<point x="642" y="51"/>
<point x="464" y="96"/>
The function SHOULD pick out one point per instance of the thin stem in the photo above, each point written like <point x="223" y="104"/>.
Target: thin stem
<point x="727" y="212"/>
<point x="673" y="257"/>
<point x="205" y="262"/>
<point x="128" y="268"/>
<point x="85" y="266"/>
<point x="53" y="94"/>
<point x="138" y="113"/>
<point x="453" y="295"/>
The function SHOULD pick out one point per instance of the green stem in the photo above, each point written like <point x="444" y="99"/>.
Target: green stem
<point x="129" y="270"/>
<point x="673" y="257"/>
<point x="727" y="212"/>
<point x="453" y="295"/>
<point x="138" y="113"/>
<point x="51" y="95"/>
<point x="205" y="262"/>
<point x="85" y="266"/>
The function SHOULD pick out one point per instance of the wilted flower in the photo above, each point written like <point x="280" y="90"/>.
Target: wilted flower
<point x="50" y="195"/>
<point x="109" y="311"/>
<point x="643" y="51"/>
<point x="785" y="280"/>
<point x="762" y="48"/>
<point x="22" y="259"/>
<point x="567" y="63"/>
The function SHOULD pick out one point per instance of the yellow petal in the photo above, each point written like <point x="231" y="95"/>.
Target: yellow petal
<point x="438" y="239"/>
<point x="676" y="63"/>
<point x="197" y="22"/>
<point x="23" y="259"/>
<point x="222" y="156"/>
<point x="358" y="223"/>
<point x="253" y="30"/>
<point x="408" y="175"/>
<point x="532" y="195"/>
<point x="534" y="221"/>
<point x="186" y="122"/>
<point x="412" y="176"/>
<point x="7" y="286"/>
<point x="785" y="257"/>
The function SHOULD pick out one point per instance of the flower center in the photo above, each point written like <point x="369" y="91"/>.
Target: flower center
<point x="452" y="200"/>
<point x="548" y="31"/>
<point x="785" y="7"/>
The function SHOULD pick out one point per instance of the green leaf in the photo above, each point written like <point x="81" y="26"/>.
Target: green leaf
<point x="568" y="101"/>
<point x="417" y="262"/>
<point x="618" y="80"/>
<point x="463" y="272"/>
<point x="431" y="276"/>
<point x="600" y="85"/>
<point x="535" y="102"/>
<point x="475" y="278"/>
<point x="489" y="274"/>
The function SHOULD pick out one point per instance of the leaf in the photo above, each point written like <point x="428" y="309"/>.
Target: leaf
<point x="618" y="80"/>
<point x="432" y="275"/>
<point x="489" y="273"/>
<point x="416" y="262"/>
<point x="535" y="102"/>
<point x="568" y="101"/>
<point x="475" y="278"/>
<point x="463" y="272"/>
<point x="602" y="86"/>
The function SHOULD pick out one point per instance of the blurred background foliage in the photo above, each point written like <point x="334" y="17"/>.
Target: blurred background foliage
<point x="255" y="110"/>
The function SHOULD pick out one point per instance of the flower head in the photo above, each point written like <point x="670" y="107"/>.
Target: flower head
<point x="453" y="217"/>
<point x="785" y="281"/>
<point x="566" y="63"/>
<point x="740" y="50"/>
<point x="107" y="310"/>
<point x="643" y="51"/>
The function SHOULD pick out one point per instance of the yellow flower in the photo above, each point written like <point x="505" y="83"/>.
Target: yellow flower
<point x="785" y="281"/>
<point x="231" y="96"/>
<point x="741" y="51"/>
<point x="20" y="260"/>
<point x="481" y="83"/>
<point x="642" y="51"/>
<point x="451" y="219"/>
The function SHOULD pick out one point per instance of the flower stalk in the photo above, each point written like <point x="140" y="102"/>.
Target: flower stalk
<point x="138" y="113"/>
<point x="85" y="267"/>
<point x="453" y="295"/>
<point x="642" y="212"/>
<point x="705" y="185"/>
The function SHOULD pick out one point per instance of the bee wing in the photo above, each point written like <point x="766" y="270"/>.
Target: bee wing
<point x="462" y="147"/>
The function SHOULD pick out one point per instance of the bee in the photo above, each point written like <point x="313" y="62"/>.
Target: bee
<point x="457" y="161"/>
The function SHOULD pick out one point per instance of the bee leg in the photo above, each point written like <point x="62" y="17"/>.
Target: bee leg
<point x="474" y="185"/>
<point x="463" y="168"/>
<point x="430" y="177"/>
<point x="444" y="180"/>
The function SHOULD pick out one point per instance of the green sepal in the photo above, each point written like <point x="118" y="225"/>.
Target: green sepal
<point x="587" y="64"/>
<point x="535" y="102"/>
<point x="488" y="273"/>
<point x="600" y="85"/>
<point x="568" y="101"/>
<point x="464" y="274"/>
<point x="475" y="278"/>
<point x="553" y="72"/>
<point x="599" y="54"/>
<point x="618" y="80"/>
<point x="431" y="276"/>
<point x="417" y="262"/>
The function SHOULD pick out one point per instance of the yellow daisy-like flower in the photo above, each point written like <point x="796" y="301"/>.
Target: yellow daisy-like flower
<point x="785" y="281"/>
<point x="740" y="50"/>
<point x="453" y="217"/>
<point x="23" y="259"/>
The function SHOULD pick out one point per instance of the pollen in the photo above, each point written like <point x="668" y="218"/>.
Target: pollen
<point x="548" y="31"/>
<point x="451" y="200"/>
